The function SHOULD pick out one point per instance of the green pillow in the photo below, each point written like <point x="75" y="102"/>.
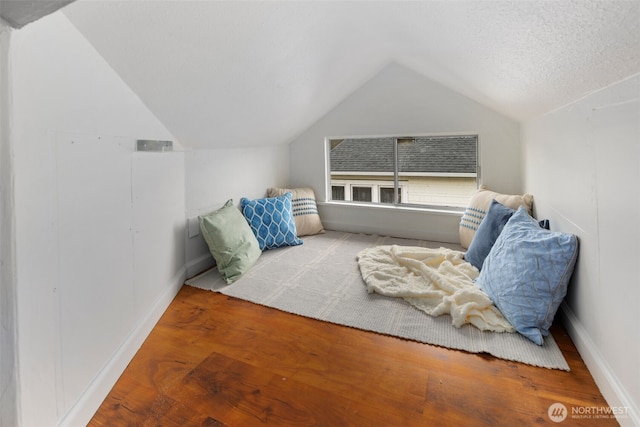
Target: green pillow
<point x="231" y="241"/>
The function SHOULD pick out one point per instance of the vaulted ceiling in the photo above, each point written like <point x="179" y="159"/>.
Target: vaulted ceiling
<point x="244" y="73"/>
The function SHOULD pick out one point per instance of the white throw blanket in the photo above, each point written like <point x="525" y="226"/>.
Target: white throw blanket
<point x="436" y="281"/>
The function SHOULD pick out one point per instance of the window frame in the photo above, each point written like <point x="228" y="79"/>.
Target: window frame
<point x="396" y="182"/>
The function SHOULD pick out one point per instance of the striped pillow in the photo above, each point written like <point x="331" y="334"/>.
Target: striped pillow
<point x="305" y="209"/>
<point x="479" y="205"/>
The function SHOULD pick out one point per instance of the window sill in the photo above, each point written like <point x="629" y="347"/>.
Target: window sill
<point x="402" y="208"/>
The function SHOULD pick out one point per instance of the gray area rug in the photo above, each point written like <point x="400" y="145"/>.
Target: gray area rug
<point x="321" y="280"/>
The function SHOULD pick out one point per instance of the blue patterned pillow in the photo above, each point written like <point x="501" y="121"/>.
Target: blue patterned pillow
<point x="527" y="272"/>
<point x="271" y="221"/>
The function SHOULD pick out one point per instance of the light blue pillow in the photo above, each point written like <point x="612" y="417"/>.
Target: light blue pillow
<point x="271" y="221"/>
<point x="527" y="272"/>
<point x="487" y="233"/>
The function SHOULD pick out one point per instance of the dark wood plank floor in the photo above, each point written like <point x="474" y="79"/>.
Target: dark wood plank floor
<point x="213" y="360"/>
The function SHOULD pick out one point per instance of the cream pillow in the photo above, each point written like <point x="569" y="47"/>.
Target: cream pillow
<point x="305" y="210"/>
<point x="479" y="205"/>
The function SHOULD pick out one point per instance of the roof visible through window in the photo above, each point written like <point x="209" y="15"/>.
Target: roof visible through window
<point x="423" y="170"/>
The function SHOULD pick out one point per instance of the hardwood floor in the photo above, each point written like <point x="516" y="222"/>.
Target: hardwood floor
<point x="213" y="360"/>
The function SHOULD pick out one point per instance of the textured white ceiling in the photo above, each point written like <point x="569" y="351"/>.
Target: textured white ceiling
<point x="221" y="74"/>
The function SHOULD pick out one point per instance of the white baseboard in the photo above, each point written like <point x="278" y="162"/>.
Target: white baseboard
<point x="85" y="407"/>
<point x="614" y="393"/>
<point x="200" y="264"/>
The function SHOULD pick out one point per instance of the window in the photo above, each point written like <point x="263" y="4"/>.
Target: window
<point x="361" y="194"/>
<point x="337" y="192"/>
<point x="387" y="195"/>
<point x="421" y="170"/>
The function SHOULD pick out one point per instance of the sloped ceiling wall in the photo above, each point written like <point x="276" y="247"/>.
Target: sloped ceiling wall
<point x="18" y="13"/>
<point x="229" y="74"/>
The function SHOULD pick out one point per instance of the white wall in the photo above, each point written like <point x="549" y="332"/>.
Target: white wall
<point x="400" y="101"/>
<point x="583" y="167"/>
<point x="8" y="367"/>
<point x="99" y="227"/>
<point x="215" y="176"/>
